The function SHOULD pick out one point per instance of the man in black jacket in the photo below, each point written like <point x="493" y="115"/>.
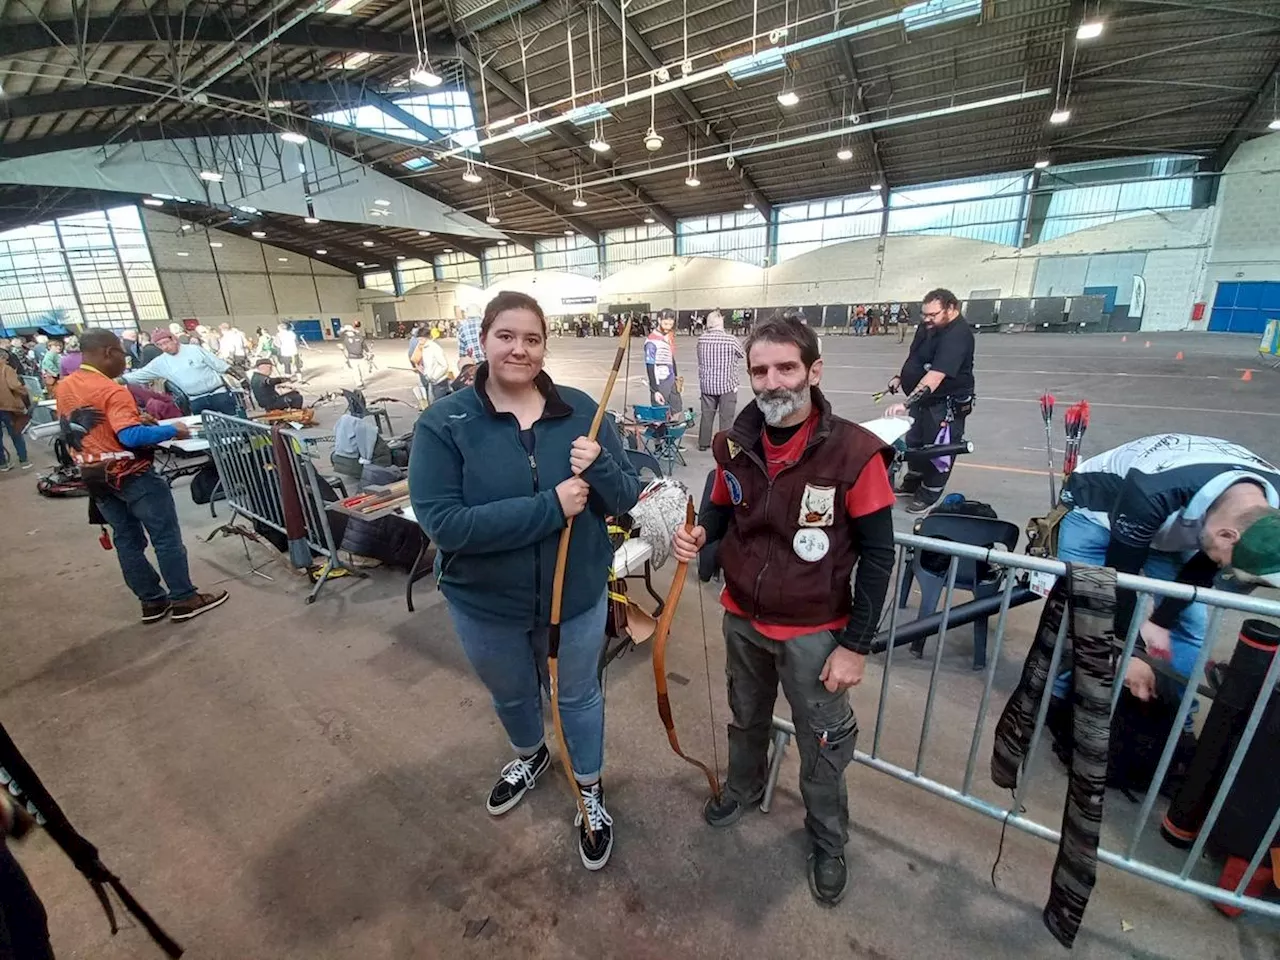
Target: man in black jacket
<point x="265" y="394"/>
<point x="801" y="497"/>
<point x="938" y="380"/>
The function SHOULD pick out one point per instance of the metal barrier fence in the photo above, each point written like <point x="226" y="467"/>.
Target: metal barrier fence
<point x="1014" y="592"/>
<point x="245" y="459"/>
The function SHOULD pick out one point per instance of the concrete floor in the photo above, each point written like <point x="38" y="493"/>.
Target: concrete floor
<point x="277" y="780"/>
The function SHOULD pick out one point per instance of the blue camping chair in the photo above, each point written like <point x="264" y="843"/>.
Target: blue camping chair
<point x="661" y="437"/>
<point x="981" y="579"/>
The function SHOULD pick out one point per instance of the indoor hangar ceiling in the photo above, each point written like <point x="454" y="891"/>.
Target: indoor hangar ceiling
<point x="585" y="116"/>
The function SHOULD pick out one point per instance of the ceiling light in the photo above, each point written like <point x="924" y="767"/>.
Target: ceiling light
<point x="399" y="256"/>
<point x="1089" y="30"/>
<point x="152" y="202"/>
<point x="844" y="153"/>
<point x="424" y="233"/>
<point x="258" y="233"/>
<point x="186" y="226"/>
<point x="692" y="181"/>
<point x="310" y="220"/>
<point x="283" y="259"/>
<point x="292" y="136"/>
<point x="502" y="243"/>
<point x="570" y="233"/>
<point x="876" y="187"/>
<point x="470" y="174"/>
<point x="578" y="201"/>
<point x="598" y="144"/>
<point x="366" y="243"/>
<point x="492" y="218"/>
<point x="183" y="253"/>
<point x="650" y="220"/>
<point x="1274" y="124"/>
<point x="653" y="140"/>
<point x="277" y="104"/>
<point x="211" y="176"/>
<point x="215" y="244"/>
<point x="1042" y="164"/>
<point x="448" y="249"/>
<point x="1060" y="115"/>
<point x="322" y="252"/>
<point x="788" y="98"/>
<point x="360" y="263"/>
<point x="382" y="203"/>
<point x="426" y="76"/>
<point x="748" y="205"/>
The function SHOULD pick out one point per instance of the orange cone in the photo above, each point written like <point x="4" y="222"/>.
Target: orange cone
<point x="1248" y="375"/>
<point x="1179" y="356"/>
<point x="1147" y="344"/>
<point x="1124" y="339"/>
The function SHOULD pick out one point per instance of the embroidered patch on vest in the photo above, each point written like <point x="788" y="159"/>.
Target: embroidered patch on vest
<point x="810" y="544"/>
<point x="734" y="487"/>
<point x="735" y="448"/>
<point x="817" y="507"/>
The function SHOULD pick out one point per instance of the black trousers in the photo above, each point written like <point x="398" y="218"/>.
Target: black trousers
<point x="287" y="401"/>
<point x="24" y="928"/>
<point x="926" y="475"/>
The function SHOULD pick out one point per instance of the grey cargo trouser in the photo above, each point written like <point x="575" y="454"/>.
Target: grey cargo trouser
<point x="826" y="729"/>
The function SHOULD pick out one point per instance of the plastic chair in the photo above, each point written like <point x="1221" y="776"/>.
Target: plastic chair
<point x="981" y="579"/>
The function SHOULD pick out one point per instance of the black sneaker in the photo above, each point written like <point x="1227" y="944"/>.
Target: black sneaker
<point x="594" y="847"/>
<point x="517" y="777"/>
<point x="722" y="813"/>
<point x="194" y="606"/>
<point x="155" y="610"/>
<point x="920" y="504"/>
<point x="908" y="485"/>
<point x="828" y="878"/>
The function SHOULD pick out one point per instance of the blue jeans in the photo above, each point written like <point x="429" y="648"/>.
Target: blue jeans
<point x="512" y="662"/>
<point x="221" y="402"/>
<point x="1080" y="540"/>
<point x="19" y="445"/>
<point x="145" y="501"/>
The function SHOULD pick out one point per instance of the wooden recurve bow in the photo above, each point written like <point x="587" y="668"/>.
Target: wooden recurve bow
<point x="557" y="596"/>
<point x="660" y="663"/>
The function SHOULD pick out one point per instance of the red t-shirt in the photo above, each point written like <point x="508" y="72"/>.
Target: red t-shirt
<point x="870" y="493"/>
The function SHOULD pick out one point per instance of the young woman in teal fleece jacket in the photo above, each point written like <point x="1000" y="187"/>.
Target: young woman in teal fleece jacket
<point x="495" y="472"/>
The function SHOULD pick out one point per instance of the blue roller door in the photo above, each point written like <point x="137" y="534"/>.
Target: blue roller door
<point x="1244" y="307"/>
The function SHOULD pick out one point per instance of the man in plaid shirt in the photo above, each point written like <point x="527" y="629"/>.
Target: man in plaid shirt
<point x="469" y="340"/>
<point x="719" y="359"/>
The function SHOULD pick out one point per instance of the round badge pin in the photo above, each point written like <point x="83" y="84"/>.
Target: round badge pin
<point x="810" y="544"/>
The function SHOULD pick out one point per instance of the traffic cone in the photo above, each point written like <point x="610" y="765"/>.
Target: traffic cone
<point x="1147" y="344"/>
<point x="1124" y="339"/>
<point x="1179" y="356"/>
<point x="1248" y="375"/>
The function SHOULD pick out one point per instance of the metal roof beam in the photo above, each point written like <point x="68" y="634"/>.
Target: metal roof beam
<point x="637" y="42"/>
<point x="23" y="38"/>
<point x="497" y="80"/>
<point x="1252" y="123"/>
<point x="860" y="107"/>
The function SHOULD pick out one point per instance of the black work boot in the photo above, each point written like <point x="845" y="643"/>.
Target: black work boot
<point x="828" y="878"/>
<point x="909" y="484"/>
<point x="726" y="811"/>
<point x="924" y="499"/>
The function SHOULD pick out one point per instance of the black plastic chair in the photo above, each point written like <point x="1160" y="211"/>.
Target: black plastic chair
<point x="978" y="577"/>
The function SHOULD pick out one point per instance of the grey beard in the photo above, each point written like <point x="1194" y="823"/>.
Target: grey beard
<point x="778" y="405"/>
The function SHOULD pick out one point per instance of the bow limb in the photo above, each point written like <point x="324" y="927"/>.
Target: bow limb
<point x="661" y="634"/>
<point x="557" y="598"/>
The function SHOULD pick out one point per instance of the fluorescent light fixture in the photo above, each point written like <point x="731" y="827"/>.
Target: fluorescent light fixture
<point x="502" y="243"/>
<point x="500" y="124"/>
<point x="934" y="13"/>
<point x="186" y="226"/>
<point x="382" y="203"/>
<point x="258" y="233"/>
<point x="311" y="220"/>
<point x="283" y="259"/>
<point x="354" y="61"/>
<point x="399" y="256"/>
<point x="692" y="181"/>
<point x="244" y="209"/>
<point x="366" y="243"/>
<point x="360" y="263"/>
<point x="788" y="98"/>
<point x="215" y="244"/>
<point x="424" y="233"/>
<point x="748" y="205"/>
<point x="183" y="253"/>
<point x="322" y="252"/>
<point x="212" y="176"/>
<point x="844" y="153"/>
<point x="292" y="136"/>
<point x="1042" y="164"/>
<point x="650" y="220"/>
<point x="756" y="64"/>
<point x="448" y="249"/>
<point x="470" y="175"/>
<point x="1089" y="30"/>
<point x="1060" y="115"/>
<point x="277" y="104"/>
<point x="876" y="187"/>
<point x="570" y="233"/>
<point x="426" y="76"/>
<point x="653" y="141"/>
<point x="152" y="202"/>
<point x="1274" y="124"/>
<point x="492" y="218"/>
<point x="578" y="201"/>
<point x="599" y="144"/>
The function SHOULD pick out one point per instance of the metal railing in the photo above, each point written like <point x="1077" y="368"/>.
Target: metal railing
<point x="1014" y="592"/>
<point x="245" y="459"/>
